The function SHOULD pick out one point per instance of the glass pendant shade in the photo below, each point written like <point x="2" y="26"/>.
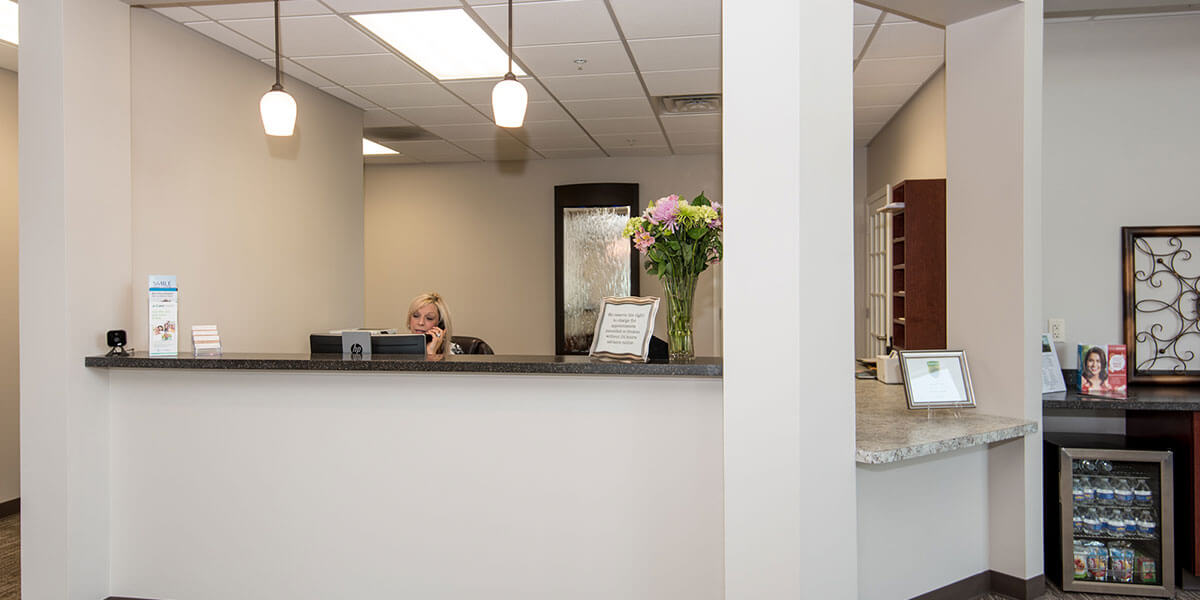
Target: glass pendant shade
<point x="279" y="112"/>
<point x="509" y="99"/>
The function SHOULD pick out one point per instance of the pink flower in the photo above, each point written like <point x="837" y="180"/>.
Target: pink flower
<point x="714" y="224"/>
<point x="666" y="212"/>
<point x="642" y="241"/>
<point x="716" y="205"/>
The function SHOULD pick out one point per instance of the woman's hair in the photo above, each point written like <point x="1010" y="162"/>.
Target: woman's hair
<point x="443" y="315"/>
<point x="1097" y="350"/>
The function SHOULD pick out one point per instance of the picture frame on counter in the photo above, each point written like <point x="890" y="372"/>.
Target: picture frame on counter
<point x="624" y="328"/>
<point x="936" y="379"/>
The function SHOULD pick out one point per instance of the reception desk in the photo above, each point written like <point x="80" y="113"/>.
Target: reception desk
<point x="290" y="476"/>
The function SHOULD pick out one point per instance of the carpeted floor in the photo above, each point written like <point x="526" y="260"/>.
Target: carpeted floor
<point x="10" y="557"/>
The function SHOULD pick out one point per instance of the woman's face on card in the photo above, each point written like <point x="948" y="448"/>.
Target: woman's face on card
<point x="424" y="319"/>
<point x="1093" y="363"/>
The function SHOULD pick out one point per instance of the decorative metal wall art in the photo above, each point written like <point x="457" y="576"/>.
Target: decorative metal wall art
<point x="1162" y="303"/>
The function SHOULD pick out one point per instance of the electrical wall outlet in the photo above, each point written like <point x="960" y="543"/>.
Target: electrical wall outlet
<point x="1058" y="329"/>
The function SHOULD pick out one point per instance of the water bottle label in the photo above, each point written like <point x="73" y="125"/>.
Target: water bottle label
<point x="1125" y="496"/>
<point x="1104" y="494"/>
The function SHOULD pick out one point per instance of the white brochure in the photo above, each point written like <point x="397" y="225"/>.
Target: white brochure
<point x="164" y="315"/>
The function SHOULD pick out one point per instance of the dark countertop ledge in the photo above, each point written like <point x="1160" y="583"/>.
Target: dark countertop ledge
<point x="463" y="363"/>
<point x="1141" y="397"/>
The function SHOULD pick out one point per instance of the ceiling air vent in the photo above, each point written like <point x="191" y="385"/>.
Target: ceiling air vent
<point x="691" y="105"/>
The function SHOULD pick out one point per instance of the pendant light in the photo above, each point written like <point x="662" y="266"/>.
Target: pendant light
<point x="277" y="106"/>
<point x="509" y="96"/>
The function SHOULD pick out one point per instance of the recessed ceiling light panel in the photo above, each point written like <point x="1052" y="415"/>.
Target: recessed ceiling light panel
<point x="447" y="43"/>
<point x="372" y="149"/>
<point x="8" y="21"/>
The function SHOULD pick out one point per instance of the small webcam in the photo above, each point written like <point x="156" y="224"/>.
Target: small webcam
<point x="116" y="341"/>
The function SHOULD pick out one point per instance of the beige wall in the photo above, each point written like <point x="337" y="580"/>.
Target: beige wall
<point x="482" y="235"/>
<point x="913" y="144"/>
<point x="10" y="456"/>
<point x="265" y="235"/>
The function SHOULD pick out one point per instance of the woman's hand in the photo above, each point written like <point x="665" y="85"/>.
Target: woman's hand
<point x="436" y="342"/>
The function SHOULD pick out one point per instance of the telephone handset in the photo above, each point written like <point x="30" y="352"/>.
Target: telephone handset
<point x="441" y="325"/>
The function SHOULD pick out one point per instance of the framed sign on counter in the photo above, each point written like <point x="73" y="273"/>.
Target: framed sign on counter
<point x="624" y="328"/>
<point x="936" y="379"/>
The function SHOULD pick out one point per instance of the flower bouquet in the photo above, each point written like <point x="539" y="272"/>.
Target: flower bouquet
<point x="679" y="240"/>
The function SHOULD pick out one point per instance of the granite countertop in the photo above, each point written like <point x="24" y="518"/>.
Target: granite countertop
<point x="887" y="431"/>
<point x="462" y="363"/>
<point x="1141" y="397"/>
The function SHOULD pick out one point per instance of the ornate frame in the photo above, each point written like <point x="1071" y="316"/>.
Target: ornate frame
<point x="1167" y="362"/>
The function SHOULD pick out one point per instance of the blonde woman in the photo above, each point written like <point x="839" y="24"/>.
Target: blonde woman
<point x="429" y="315"/>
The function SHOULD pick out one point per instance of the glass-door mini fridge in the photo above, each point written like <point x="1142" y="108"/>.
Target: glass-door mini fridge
<point x="1112" y="532"/>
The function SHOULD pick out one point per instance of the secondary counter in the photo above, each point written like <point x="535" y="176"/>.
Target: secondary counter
<point x="1149" y="397"/>
<point x="460" y="363"/>
<point x="887" y="431"/>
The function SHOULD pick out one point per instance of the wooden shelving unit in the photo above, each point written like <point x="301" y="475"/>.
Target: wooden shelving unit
<point x="919" y="265"/>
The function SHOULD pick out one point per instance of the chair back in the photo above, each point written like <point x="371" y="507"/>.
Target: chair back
<point x="472" y="345"/>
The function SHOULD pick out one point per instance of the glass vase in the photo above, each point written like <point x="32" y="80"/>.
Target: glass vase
<point x="681" y="291"/>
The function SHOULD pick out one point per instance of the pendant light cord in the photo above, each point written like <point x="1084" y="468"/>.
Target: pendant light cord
<point x="278" y="60"/>
<point x="510" y="29"/>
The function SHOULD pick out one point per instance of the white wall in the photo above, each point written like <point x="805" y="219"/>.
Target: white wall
<point x="492" y="225"/>
<point x="400" y="485"/>
<point x="10" y="386"/>
<point x="1120" y="149"/>
<point x="921" y="523"/>
<point x="789" y="395"/>
<point x="264" y="234"/>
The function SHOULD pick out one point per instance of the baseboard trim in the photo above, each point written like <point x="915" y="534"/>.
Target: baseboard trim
<point x="10" y="508"/>
<point x="986" y="582"/>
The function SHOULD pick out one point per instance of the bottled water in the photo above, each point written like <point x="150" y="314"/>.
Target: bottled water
<point x="1104" y="491"/>
<point x="1123" y="492"/>
<point x="1089" y="489"/>
<point x="1077" y="520"/>
<point x="1142" y="495"/>
<point x="1077" y="490"/>
<point x="1146" y="524"/>
<point x="1092" y="523"/>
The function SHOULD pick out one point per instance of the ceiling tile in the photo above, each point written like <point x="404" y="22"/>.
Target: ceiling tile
<point x="883" y="95"/>
<point x="479" y="91"/>
<point x="677" y="54"/>
<point x="695" y="137"/>
<point x="430" y="150"/>
<point x="309" y="36"/>
<point x="534" y="111"/>
<point x="406" y="95"/>
<point x="291" y="69"/>
<point x="621" y="125"/>
<point x="181" y="14"/>
<point x="896" y="40"/>
<point x="259" y="10"/>
<point x="585" y="87"/>
<point x="552" y="129"/>
<point x="696" y="148"/>
<point x="610" y="108"/>
<point x="866" y="130"/>
<point x="573" y="153"/>
<point x="890" y="71"/>
<point x="678" y="83"/>
<point x="390" y="159"/>
<point x="552" y="22"/>
<point x="544" y="144"/>
<point x="875" y="114"/>
<point x="640" y="151"/>
<point x="343" y="94"/>
<point x="474" y="131"/>
<point x="684" y="123"/>
<point x="861" y="33"/>
<point x="559" y="59"/>
<point x="665" y="18"/>
<point x="382" y="118"/>
<point x="865" y="15"/>
<point x="442" y="115"/>
<point x="501" y="144"/>
<point x="232" y="39"/>
<point x="355" y="6"/>
<point x="509" y="155"/>
<point x="625" y="140"/>
<point x="366" y="69"/>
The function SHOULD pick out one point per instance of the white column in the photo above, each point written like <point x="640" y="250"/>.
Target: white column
<point x="789" y="395"/>
<point x="993" y="149"/>
<point x="74" y="282"/>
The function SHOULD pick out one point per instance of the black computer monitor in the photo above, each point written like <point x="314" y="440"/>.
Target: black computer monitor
<point x="331" y="343"/>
